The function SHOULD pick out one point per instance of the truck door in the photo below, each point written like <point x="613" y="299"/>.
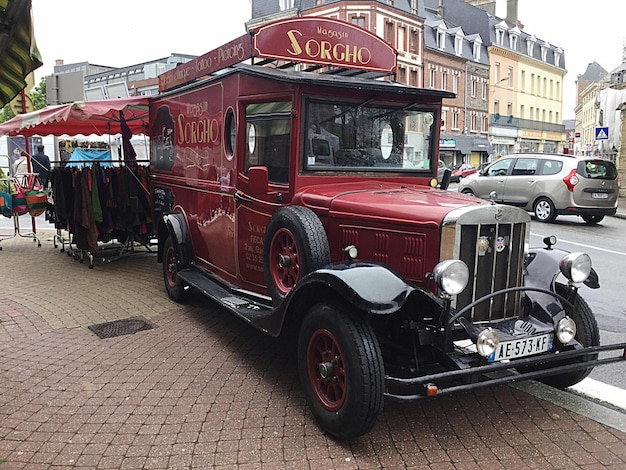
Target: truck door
<point x="267" y="143"/>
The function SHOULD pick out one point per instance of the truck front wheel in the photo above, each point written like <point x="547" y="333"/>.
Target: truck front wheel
<point x="176" y="289"/>
<point x="341" y="370"/>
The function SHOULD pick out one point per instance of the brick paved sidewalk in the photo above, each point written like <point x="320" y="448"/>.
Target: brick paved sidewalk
<point x="203" y="390"/>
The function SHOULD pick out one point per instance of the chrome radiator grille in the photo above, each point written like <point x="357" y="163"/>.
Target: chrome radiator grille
<point x="491" y="242"/>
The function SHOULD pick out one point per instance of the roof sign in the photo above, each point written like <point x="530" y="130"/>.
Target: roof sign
<point x="314" y="40"/>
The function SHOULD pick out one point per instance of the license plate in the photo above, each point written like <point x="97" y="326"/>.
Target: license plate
<point x="522" y="347"/>
<point x="599" y="195"/>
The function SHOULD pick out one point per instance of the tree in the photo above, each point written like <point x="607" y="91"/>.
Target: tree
<point x="37" y="96"/>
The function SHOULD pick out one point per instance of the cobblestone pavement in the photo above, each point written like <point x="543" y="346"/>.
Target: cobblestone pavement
<point x="203" y="390"/>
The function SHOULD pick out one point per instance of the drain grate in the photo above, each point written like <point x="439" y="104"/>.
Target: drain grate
<point x="126" y="326"/>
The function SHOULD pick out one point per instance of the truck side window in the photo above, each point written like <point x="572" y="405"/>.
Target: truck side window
<point x="268" y="137"/>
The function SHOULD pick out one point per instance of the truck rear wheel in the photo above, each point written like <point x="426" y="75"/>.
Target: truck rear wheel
<point x="295" y="244"/>
<point x="341" y="370"/>
<point x="587" y="334"/>
<point x="176" y="289"/>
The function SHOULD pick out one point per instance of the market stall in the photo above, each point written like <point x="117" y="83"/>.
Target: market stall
<point x="94" y="204"/>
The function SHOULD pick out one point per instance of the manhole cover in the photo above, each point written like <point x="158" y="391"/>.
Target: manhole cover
<point x="126" y="326"/>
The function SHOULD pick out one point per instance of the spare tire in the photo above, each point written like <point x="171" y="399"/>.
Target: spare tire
<point x="295" y="244"/>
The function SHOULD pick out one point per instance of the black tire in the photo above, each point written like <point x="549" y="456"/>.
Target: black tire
<point x="592" y="219"/>
<point x="468" y="191"/>
<point x="176" y="289"/>
<point x="587" y="334"/>
<point x="295" y="244"/>
<point x="334" y="342"/>
<point x="544" y="210"/>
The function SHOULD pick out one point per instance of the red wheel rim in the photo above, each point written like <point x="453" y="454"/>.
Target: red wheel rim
<point x="285" y="261"/>
<point x="170" y="267"/>
<point x="326" y="370"/>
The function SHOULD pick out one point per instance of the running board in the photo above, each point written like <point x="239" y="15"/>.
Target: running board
<point x="244" y="307"/>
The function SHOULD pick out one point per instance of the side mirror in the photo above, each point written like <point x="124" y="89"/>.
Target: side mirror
<point x="259" y="180"/>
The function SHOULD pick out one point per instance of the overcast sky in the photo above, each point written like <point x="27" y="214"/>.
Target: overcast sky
<point x="119" y="33"/>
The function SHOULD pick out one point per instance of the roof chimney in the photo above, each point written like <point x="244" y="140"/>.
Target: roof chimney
<point x="511" y="11"/>
<point x="487" y="5"/>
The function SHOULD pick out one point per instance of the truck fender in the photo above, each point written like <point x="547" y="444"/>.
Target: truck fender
<point x="368" y="287"/>
<point x="175" y="225"/>
<point x="542" y="269"/>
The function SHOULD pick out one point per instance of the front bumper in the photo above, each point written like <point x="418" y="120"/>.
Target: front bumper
<point x="534" y="367"/>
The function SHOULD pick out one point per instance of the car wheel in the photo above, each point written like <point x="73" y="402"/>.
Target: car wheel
<point x="341" y="370"/>
<point x="468" y="191"/>
<point x="587" y="334"/>
<point x="592" y="219"/>
<point x="176" y="289"/>
<point x="544" y="210"/>
<point x="295" y="244"/>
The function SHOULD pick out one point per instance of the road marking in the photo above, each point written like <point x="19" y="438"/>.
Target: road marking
<point x="591" y="247"/>
<point x="601" y="391"/>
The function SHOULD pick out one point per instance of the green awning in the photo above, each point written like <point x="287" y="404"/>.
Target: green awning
<point x="19" y="55"/>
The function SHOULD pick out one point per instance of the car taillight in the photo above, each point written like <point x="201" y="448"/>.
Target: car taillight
<point x="571" y="180"/>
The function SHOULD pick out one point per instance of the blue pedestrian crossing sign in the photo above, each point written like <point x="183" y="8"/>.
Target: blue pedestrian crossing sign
<point x="602" y="133"/>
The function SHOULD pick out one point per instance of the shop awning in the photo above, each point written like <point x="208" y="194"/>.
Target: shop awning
<point x="82" y="118"/>
<point x="18" y="49"/>
<point x="465" y="144"/>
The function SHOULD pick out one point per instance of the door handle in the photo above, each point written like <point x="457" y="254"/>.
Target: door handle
<point x="241" y="198"/>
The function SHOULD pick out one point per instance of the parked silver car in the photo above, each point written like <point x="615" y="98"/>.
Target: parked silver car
<point x="549" y="185"/>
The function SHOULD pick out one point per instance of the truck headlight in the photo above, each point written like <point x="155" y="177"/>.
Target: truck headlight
<point x="576" y="266"/>
<point x="565" y="330"/>
<point x="487" y="342"/>
<point x="451" y="276"/>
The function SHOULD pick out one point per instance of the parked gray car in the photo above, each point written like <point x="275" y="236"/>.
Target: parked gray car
<point x="549" y="185"/>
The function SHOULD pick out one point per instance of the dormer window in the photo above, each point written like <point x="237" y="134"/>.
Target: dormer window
<point x="477" y="44"/>
<point x="557" y="57"/>
<point x="544" y="51"/>
<point x="514" y="37"/>
<point x="441" y="36"/>
<point x="500" y="31"/>
<point x="458" y="44"/>
<point x="530" y="45"/>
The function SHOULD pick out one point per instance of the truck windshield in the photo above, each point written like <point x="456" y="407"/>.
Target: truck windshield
<point x="367" y="137"/>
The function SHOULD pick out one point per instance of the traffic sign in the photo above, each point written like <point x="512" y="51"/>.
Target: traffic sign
<point x="602" y="133"/>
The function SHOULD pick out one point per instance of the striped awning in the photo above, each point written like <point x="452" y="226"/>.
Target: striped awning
<point x="19" y="55"/>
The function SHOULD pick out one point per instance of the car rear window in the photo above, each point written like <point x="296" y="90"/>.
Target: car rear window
<point x="551" y="167"/>
<point x="597" y="169"/>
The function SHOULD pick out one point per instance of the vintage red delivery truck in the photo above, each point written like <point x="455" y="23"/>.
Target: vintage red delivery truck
<point x="305" y="204"/>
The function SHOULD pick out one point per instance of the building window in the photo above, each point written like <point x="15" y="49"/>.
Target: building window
<point x="544" y="52"/>
<point x="496" y="108"/>
<point x="413" y="46"/>
<point x="401" y="38"/>
<point x="414" y="7"/>
<point x="513" y="41"/>
<point x="510" y="77"/>
<point x="389" y="32"/>
<point x="414" y="78"/>
<point x="358" y="21"/>
<point x="402" y="75"/>
<point x="443" y="120"/>
<point x="432" y="78"/>
<point x="455" y="120"/>
<point x="285" y="4"/>
<point x="474" y="87"/>
<point x="455" y="83"/>
<point x="485" y="124"/>
<point x="474" y="122"/>
<point x="499" y="37"/>
<point x="444" y="81"/>
<point x="484" y="93"/>
<point x="557" y="58"/>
